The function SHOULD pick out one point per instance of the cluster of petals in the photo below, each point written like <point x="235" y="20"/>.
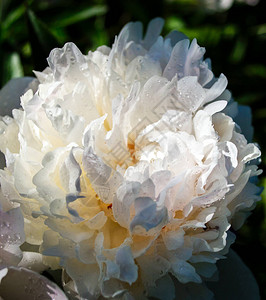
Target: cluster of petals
<point x="126" y="167"/>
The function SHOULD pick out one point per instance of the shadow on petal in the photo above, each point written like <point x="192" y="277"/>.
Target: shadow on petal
<point x="235" y="280"/>
<point x="28" y="285"/>
<point x="10" y="94"/>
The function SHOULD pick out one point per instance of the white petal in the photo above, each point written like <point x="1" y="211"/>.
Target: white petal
<point x="215" y="107"/>
<point x="173" y="239"/>
<point x="184" y="60"/>
<point x="128" y="268"/>
<point x="216" y="89"/>
<point x="32" y="261"/>
<point x="203" y="127"/>
<point x="12" y="236"/>
<point x="153" y="31"/>
<point x="10" y="94"/>
<point x="147" y="214"/>
<point x="175" y="36"/>
<point x="65" y="61"/>
<point x="177" y="60"/>
<point x="125" y="197"/>
<point x="190" y="93"/>
<point x="28" y="284"/>
<point x="185" y="272"/>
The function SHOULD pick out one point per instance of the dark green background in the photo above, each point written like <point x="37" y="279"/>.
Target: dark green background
<point x="235" y="41"/>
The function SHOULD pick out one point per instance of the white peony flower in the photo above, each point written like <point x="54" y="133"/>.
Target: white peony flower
<point x="223" y="5"/>
<point x="129" y="167"/>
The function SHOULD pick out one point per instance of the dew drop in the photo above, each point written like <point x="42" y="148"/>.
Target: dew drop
<point x="72" y="60"/>
<point x="7" y="119"/>
<point x="17" y="236"/>
<point x="6" y="224"/>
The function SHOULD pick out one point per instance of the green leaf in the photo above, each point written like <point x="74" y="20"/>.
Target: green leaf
<point x="239" y="51"/>
<point x="12" y="17"/>
<point x="41" y="39"/>
<point x="258" y="70"/>
<point x="75" y="17"/>
<point x="100" y="36"/>
<point x="174" y="23"/>
<point x="41" y="32"/>
<point x="12" y="67"/>
<point x="261" y="29"/>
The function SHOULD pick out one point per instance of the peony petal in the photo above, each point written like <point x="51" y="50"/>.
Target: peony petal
<point x="113" y="288"/>
<point x="28" y="285"/>
<point x="184" y="272"/>
<point x="153" y="31"/>
<point x="128" y="268"/>
<point x="173" y="239"/>
<point x="244" y="120"/>
<point x="153" y="269"/>
<point x="177" y="60"/>
<point x="224" y="126"/>
<point x="160" y="51"/>
<point x="3" y="273"/>
<point x="175" y="36"/>
<point x="164" y="289"/>
<point x="202" y="127"/>
<point x="32" y="261"/>
<point x="184" y="60"/>
<point x="66" y="61"/>
<point x="192" y="291"/>
<point x="147" y="214"/>
<point x="12" y="236"/>
<point x="10" y="94"/>
<point x="235" y="280"/>
<point x="86" y="277"/>
<point x="216" y="89"/>
<point x="2" y="160"/>
<point x="215" y="107"/>
<point x="190" y="93"/>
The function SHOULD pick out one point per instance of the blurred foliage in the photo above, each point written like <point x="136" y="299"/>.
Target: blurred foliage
<point x="235" y="40"/>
